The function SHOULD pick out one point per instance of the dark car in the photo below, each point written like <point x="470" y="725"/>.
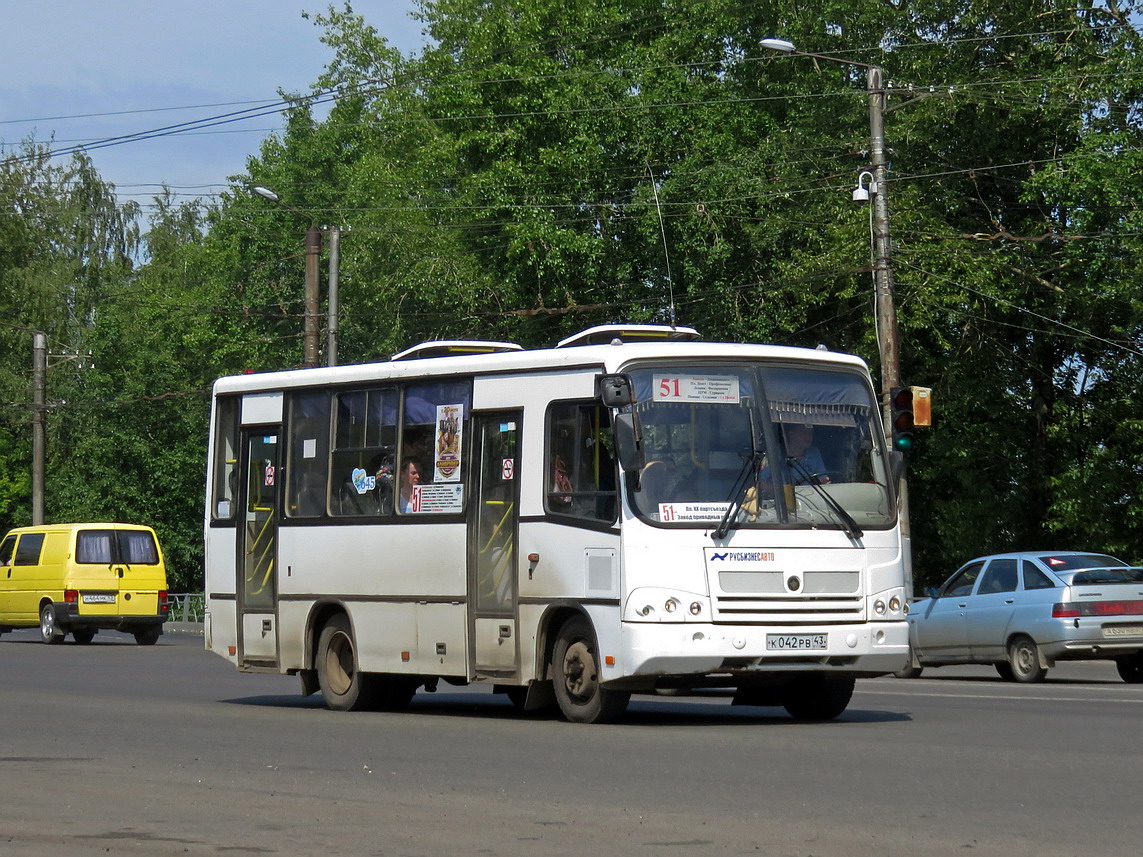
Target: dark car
<point x="1024" y="611"/>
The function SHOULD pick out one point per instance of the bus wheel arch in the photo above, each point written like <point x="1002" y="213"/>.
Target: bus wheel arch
<point x="575" y="668"/>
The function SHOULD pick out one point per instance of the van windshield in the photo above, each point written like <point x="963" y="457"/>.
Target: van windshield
<point x="785" y="446"/>
<point x="108" y="547"/>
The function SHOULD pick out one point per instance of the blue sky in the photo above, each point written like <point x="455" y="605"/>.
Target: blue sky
<point x="65" y="58"/>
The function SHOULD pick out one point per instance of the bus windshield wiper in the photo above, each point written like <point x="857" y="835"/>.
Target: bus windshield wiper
<point x="741" y="484"/>
<point x="848" y="524"/>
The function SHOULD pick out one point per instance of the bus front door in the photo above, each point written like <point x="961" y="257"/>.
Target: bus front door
<point x="492" y="544"/>
<point x="258" y="549"/>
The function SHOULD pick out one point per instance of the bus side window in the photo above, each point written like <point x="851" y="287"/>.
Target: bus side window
<point x="435" y="437"/>
<point x="309" y="454"/>
<point x="580" y="466"/>
<point x="225" y="487"/>
<point x="364" y="451"/>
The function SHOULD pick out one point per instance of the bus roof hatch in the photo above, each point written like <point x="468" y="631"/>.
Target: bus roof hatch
<point x="605" y="333"/>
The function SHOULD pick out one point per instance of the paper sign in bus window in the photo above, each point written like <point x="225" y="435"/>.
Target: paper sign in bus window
<point x="718" y="389"/>
<point x="450" y="428"/>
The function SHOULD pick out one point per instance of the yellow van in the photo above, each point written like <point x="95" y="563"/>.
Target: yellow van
<point x="81" y="578"/>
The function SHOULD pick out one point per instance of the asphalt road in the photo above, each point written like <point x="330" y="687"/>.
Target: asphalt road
<point x="117" y="749"/>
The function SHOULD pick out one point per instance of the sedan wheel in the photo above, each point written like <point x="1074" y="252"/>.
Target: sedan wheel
<point x="1130" y="667"/>
<point x="1024" y="658"/>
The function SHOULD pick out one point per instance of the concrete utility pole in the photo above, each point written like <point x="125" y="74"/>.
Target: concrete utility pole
<point x="334" y="265"/>
<point x="313" y="254"/>
<point x="39" y="382"/>
<point x="311" y="329"/>
<point x="886" y="309"/>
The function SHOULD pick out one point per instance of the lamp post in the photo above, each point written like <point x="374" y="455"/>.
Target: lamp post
<point x="888" y="343"/>
<point x="313" y="252"/>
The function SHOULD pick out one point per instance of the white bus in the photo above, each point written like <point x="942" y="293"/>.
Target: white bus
<point x="632" y="511"/>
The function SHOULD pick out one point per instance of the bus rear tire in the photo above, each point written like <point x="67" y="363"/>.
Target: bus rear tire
<point x="343" y="686"/>
<point x="575" y="676"/>
<point x="818" y="697"/>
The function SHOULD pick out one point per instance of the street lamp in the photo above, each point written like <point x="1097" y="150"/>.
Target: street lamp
<point x="886" y="312"/>
<point x="313" y="251"/>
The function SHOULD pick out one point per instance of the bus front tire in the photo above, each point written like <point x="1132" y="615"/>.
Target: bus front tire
<point x="575" y="676"/>
<point x="818" y="697"/>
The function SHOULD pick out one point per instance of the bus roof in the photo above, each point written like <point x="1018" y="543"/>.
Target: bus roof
<point x="606" y="358"/>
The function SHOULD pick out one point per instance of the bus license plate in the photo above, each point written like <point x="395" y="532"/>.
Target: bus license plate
<point x="98" y="598"/>
<point x="794" y="642"/>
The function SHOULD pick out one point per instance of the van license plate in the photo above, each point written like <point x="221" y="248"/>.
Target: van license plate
<point x="789" y="642"/>
<point x="99" y="598"/>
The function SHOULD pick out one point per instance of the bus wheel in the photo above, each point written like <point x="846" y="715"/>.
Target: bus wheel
<point x="49" y="632"/>
<point x="575" y="675"/>
<point x="84" y="636"/>
<point x="818" y="697"/>
<point x="343" y="686"/>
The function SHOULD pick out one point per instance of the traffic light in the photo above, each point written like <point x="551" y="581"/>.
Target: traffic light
<point x="901" y="418"/>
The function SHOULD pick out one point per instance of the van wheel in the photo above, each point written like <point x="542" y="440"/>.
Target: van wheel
<point x="49" y="632"/>
<point x="148" y="636"/>
<point x="343" y="686"/>
<point x="83" y="637"/>
<point x="576" y="672"/>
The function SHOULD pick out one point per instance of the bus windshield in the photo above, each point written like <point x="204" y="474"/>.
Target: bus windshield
<point x="763" y="445"/>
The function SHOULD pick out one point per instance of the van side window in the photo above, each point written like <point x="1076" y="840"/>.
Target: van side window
<point x="28" y="550"/>
<point x="580" y="469"/>
<point x="6" y="549"/>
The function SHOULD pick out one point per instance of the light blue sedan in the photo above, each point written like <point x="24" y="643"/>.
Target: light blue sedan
<point x="1024" y="611"/>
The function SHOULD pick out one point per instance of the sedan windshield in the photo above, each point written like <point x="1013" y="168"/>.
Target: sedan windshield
<point x="764" y="445"/>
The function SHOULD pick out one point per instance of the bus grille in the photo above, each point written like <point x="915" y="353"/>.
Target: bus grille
<point x="788" y="610"/>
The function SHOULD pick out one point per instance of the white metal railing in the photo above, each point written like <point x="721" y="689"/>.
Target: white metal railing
<point x="186" y="606"/>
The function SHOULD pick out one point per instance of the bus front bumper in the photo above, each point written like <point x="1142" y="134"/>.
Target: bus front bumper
<point x="694" y="649"/>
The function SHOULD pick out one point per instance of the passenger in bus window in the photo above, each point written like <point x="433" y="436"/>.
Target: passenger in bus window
<point x="561" y="496"/>
<point x="410" y="476"/>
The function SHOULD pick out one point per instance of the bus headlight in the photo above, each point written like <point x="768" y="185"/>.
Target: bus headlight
<point x="659" y="604"/>
<point x="888" y="606"/>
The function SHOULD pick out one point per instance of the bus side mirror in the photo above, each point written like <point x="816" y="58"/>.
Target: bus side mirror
<point x="897" y="465"/>
<point x="628" y="443"/>
<point x="615" y="391"/>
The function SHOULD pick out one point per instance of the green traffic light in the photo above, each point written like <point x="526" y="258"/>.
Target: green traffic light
<point x="903" y="444"/>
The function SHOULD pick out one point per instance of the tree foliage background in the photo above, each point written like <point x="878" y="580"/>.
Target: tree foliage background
<point x="543" y="166"/>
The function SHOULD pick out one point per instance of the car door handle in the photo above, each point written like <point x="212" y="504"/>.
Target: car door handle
<point x="1009" y="600"/>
